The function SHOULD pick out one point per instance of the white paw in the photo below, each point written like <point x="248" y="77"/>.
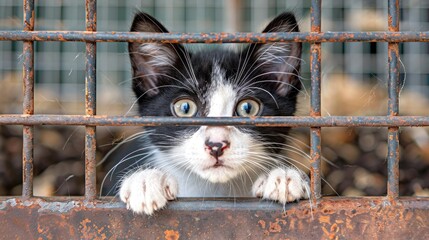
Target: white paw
<point x="282" y="185"/>
<point x="148" y="190"/>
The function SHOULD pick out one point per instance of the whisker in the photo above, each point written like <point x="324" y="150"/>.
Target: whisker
<point x="158" y="87"/>
<point x="267" y="92"/>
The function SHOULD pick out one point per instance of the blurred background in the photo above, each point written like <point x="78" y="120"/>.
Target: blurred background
<point x="354" y="83"/>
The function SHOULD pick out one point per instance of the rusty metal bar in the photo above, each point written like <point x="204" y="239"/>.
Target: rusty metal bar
<point x="393" y="104"/>
<point x="305" y="121"/>
<point x="28" y="103"/>
<point x="315" y="101"/>
<point x="241" y="37"/>
<point x="334" y="218"/>
<point x="90" y="103"/>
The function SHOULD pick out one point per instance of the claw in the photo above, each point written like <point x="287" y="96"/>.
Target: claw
<point x="154" y="206"/>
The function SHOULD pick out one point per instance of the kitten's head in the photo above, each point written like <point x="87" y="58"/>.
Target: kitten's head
<point x="258" y="80"/>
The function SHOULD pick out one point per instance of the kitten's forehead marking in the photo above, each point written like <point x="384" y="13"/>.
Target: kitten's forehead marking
<point x="222" y="96"/>
<point x="218" y="74"/>
<point x="222" y="101"/>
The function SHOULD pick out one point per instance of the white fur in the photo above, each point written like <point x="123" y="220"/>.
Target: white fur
<point x="223" y="97"/>
<point x="148" y="190"/>
<point x="282" y="185"/>
<point x="222" y="101"/>
<point x="158" y="54"/>
<point x="192" y="152"/>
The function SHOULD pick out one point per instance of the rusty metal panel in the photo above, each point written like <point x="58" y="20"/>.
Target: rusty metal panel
<point x="333" y="218"/>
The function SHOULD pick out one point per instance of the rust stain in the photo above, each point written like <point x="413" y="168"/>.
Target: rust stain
<point x="335" y="228"/>
<point x="349" y="224"/>
<point x="171" y="235"/>
<point x="332" y="232"/>
<point x="339" y="221"/>
<point x="325" y="219"/>
<point x="325" y="231"/>
<point x="282" y="221"/>
<point x="275" y="226"/>
<point x="262" y="223"/>
<point x="45" y="232"/>
<point x="93" y="232"/>
<point x="292" y="224"/>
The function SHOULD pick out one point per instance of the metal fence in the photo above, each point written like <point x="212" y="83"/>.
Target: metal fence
<point x="90" y="217"/>
<point x="60" y="65"/>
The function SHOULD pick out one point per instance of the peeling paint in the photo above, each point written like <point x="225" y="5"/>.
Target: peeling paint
<point x="108" y="205"/>
<point x="59" y="207"/>
<point x="11" y="202"/>
<point x="27" y="203"/>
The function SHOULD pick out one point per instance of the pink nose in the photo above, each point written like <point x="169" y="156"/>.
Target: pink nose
<point x="216" y="149"/>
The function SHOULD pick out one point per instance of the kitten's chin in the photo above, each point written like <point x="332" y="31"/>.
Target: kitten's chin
<point x="220" y="174"/>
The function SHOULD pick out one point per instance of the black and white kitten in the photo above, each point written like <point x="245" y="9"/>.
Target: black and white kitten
<point x="213" y="161"/>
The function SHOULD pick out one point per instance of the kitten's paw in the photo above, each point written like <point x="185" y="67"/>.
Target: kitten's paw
<point x="282" y="185"/>
<point x="148" y="190"/>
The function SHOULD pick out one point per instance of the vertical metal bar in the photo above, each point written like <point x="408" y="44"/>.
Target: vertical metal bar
<point x="233" y="15"/>
<point x="393" y="104"/>
<point x="315" y="137"/>
<point x="90" y="103"/>
<point x="28" y="102"/>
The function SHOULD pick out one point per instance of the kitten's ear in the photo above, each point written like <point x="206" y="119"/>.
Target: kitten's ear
<point x="282" y="59"/>
<point x="150" y="60"/>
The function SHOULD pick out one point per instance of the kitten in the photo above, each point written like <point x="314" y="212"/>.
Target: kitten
<point x="212" y="161"/>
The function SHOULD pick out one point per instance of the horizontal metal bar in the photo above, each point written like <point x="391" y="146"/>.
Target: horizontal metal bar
<point x="305" y="121"/>
<point x="85" y="36"/>
<point x="334" y="218"/>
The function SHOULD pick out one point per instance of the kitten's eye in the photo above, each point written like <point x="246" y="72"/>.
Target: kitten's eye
<point x="185" y="108"/>
<point x="248" y="108"/>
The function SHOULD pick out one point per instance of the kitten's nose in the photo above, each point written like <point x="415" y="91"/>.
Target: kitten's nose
<point x="216" y="149"/>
